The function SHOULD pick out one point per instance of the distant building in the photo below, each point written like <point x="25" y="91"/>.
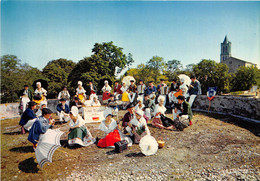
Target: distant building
<point x="232" y="62"/>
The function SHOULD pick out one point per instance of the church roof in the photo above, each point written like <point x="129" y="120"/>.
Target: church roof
<point x="225" y="40"/>
<point x="236" y="59"/>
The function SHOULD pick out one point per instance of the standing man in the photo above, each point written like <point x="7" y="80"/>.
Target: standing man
<point x="64" y="94"/>
<point x="162" y="90"/>
<point x="25" y="96"/>
<point x="91" y="90"/>
<point x="141" y="89"/>
<point x="117" y="90"/>
<point x="194" y="89"/>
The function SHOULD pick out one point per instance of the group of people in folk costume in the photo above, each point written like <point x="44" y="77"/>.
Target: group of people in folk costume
<point x="140" y="102"/>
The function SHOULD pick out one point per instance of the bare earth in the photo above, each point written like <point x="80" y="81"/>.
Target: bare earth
<point x="213" y="148"/>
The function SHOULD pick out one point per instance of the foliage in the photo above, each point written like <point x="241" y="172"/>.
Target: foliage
<point x="156" y="66"/>
<point x="14" y="76"/>
<point x="173" y="69"/>
<point x="245" y="78"/>
<point x="211" y="74"/>
<point x="57" y="71"/>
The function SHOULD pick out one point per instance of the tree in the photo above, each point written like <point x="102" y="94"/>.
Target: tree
<point x="14" y="76"/>
<point x="57" y="72"/>
<point x="173" y="67"/>
<point x="245" y="78"/>
<point x="210" y="74"/>
<point x="156" y="65"/>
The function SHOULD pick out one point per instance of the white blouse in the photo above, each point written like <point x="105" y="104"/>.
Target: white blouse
<point x="80" y="91"/>
<point x="160" y="109"/>
<point x="123" y="89"/>
<point x="95" y="104"/>
<point x="112" y="126"/>
<point x="80" y="122"/>
<point x="42" y="91"/>
<point x="184" y="89"/>
<point x="140" y="124"/>
<point x="106" y="88"/>
<point x="137" y="107"/>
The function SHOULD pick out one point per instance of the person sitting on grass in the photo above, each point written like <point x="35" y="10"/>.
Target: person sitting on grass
<point x="110" y="128"/>
<point x="63" y="110"/>
<point x="95" y="101"/>
<point x="28" y="117"/>
<point x="79" y="133"/>
<point x="43" y="104"/>
<point x="137" y="127"/>
<point x="182" y="114"/>
<point x="40" y="126"/>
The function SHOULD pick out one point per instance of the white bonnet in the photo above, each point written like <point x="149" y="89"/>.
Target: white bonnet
<point x="74" y="111"/>
<point x="107" y="112"/>
<point x="106" y="82"/>
<point x="161" y="98"/>
<point x="79" y="83"/>
<point x="139" y="112"/>
<point x="38" y="83"/>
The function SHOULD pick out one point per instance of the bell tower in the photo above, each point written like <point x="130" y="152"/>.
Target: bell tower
<point x="225" y="50"/>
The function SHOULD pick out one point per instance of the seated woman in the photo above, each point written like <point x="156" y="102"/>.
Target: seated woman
<point x="79" y="133"/>
<point x="40" y="93"/>
<point x="43" y="104"/>
<point x="125" y="98"/>
<point x="140" y="106"/>
<point x="106" y="91"/>
<point x="110" y="128"/>
<point x="160" y="121"/>
<point x="40" y="126"/>
<point x="137" y="127"/>
<point x="28" y="117"/>
<point x="95" y="101"/>
<point x="80" y="92"/>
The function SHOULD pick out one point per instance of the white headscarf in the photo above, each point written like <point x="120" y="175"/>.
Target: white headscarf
<point x="139" y="112"/>
<point x="38" y="83"/>
<point x="107" y="112"/>
<point x="74" y="110"/>
<point x="161" y="98"/>
<point x="79" y="83"/>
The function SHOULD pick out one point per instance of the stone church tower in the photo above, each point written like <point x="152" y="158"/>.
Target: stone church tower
<point x="225" y="50"/>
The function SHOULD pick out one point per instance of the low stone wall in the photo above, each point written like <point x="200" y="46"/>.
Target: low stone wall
<point x="9" y="110"/>
<point x="248" y="107"/>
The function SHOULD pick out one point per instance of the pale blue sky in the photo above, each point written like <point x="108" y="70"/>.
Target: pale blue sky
<point x="38" y="32"/>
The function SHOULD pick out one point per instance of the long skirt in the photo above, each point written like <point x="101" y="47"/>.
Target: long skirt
<point x="106" y="95"/>
<point x="110" y="139"/>
<point x="125" y="97"/>
<point x="80" y="136"/>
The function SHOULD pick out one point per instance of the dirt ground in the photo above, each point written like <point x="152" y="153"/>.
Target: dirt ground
<point x="213" y="148"/>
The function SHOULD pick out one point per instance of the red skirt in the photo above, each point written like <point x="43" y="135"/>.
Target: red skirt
<point x="106" y="95"/>
<point x="110" y="139"/>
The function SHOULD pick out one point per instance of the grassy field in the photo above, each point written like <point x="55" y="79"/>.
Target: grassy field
<point x="209" y="141"/>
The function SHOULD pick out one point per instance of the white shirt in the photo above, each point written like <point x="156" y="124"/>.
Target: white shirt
<point x="106" y="88"/>
<point x="124" y="88"/>
<point x="95" y="104"/>
<point x="80" y="122"/>
<point x="64" y="93"/>
<point x="80" y="91"/>
<point x="137" y="107"/>
<point x="140" y="123"/>
<point x="111" y="127"/>
<point x="141" y="88"/>
<point x="160" y="109"/>
<point x="42" y="91"/>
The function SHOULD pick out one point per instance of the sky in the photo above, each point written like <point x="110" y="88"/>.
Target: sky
<point x="40" y="31"/>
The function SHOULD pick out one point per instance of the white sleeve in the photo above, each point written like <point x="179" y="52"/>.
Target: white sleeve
<point x="59" y="95"/>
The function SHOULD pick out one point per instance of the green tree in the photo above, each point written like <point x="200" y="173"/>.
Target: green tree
<point x="57" y="72"/>
<point x="156" y="66"/>
<point x="210" y="74"/>
<point x="173" y="68"/>
<point x="245" y="78"/>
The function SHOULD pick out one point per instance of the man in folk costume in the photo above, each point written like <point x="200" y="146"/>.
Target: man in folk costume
<point x="91" y="90"/>
<point x="25" y="96"/>
<point x="132" y="93"/>
<point x="40" y="126"/>
<point x="129" y="115"/>
<point x="182" y="114"/>
<point x="162" y="90"/>
<point x="28" y="117"/>
<point x="151" y="90"/>
<point x="174" y="88"/>
<point x="63" y="111"/>
<point x="117" y="90"/>
<point x="141" y="89"/>
<point x="194" y="89"/>
<point x="149" y="106"/>
<point x="64" y="94"/>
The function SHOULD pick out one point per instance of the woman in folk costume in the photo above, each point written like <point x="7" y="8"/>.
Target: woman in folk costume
<point x="141" y="106"/>
<point x="65" y="95"/>
<point x="160" y="121"/>
<point x="106" y="91"/>
<point x="125" y="98"/>
<point x="28" y="117"/>
<point x="110" y="128"/>
<point x="80" y="92"/>
<point x="137" y="127"/>
<point x="184" y="88"/>
<point x="40" y="92"/>
<point x="43" y="104"/>
<point x="95" y="101"/>
<point x="79" y="133"/>
<point x="40" y="126"/>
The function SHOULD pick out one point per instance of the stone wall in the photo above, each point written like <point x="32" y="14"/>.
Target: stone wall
<point x="248" y="107"/>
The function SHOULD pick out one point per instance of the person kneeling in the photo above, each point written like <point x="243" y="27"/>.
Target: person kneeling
<point x="40" y="126"/>
<point x="79" y="133"/>
<point x="137" y="127"/>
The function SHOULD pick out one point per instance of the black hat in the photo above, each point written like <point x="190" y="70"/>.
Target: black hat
<point x="141" y="80"/>
<point x="174" y="79"/>
<point x="46" y="111"/>
<point x="150" y="81"/>
<point x="25" y="86"/>
<point x="130" y="105"/>
<point x="132" y="81"/>
<point x="161" y="79"/>
<point x="181" y="98"/>
<point x="62" y="99"/>
<point x="116" y="81"/>
<point x="31" y="103"/>
<point x="192" y="76"/>
<point x="111" y="95"/>
<point x="146" y="94"/>
<point x="76" y="98"/>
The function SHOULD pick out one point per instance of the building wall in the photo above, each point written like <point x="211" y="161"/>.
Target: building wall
<point x="233" y="65"/>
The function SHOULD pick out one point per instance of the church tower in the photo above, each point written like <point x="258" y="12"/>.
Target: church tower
<point x="225" y="50"/>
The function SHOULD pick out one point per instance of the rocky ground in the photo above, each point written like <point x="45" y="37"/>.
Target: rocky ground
<point x="213" y="148"/>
